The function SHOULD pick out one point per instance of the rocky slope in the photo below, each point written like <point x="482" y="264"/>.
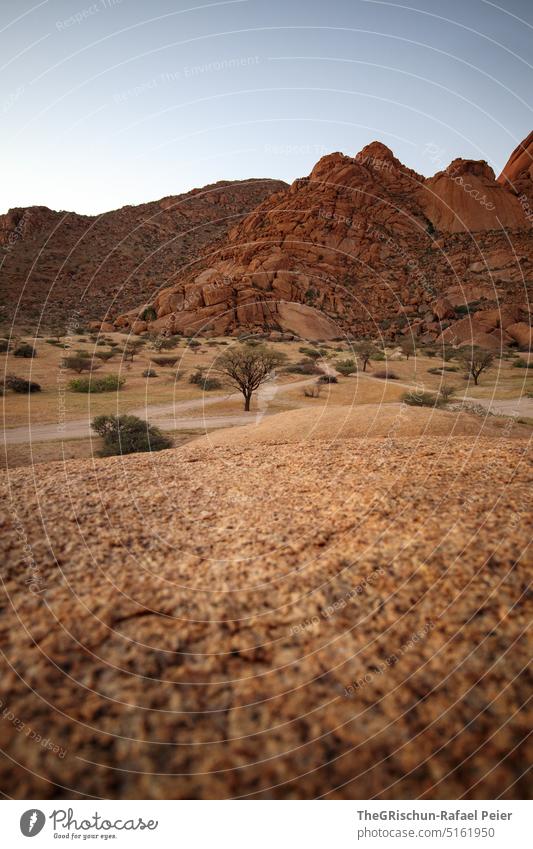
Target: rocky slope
<point x="369" y="246"/>
<point x="174" y="627"/>
<point x="66" y="267"/>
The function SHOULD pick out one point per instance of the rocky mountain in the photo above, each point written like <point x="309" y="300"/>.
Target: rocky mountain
<point x="60" y="267"/>
<point x="368" y="246"/>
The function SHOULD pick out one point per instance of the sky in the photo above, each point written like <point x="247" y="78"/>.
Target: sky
<point x="121" y="101"/>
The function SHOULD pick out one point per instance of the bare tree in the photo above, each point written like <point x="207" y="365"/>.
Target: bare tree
<point x="365" y="351"/>
<point x="475" y="361"/>
<point x="247" y="368"/>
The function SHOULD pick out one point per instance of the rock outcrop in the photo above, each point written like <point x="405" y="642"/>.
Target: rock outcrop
<point x="518" y="173"/>
<point x="370" y="245"/>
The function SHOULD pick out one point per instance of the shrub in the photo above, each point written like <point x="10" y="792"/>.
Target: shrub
<point x="446" y="393"/>
<point x="210" y="383"/>
<point x="149" y="372"/>
<point x="303" y="367"/>
<point x="327" y="378"/>
<point x="346" y="367"/>
<point x="164" y="343"/>
<point x="385" y="374"/>
<point x="165" y="361"/>
<point x="128" y="435"/>
<point x="25" y="350"/>
<point x="442" y="369"/>
<point x="108" y="383"/>
<point x="196" y="377"/>
<point x="193" y="343"/>
<point x="149" y="314"/>
<point x="519" y="363"/>
<point x="19" y="384"/>
<point x="310" y="352"/>
<point x="422" y="399"/>
<point x="79" y="363"/>
<point x="104" y="355"/>
<point x="448" y="353"/>
<point x="4" y="346"/>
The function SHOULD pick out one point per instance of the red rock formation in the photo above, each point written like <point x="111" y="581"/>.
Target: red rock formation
<point x="369" y="244"/>
<point x="518" y="174"/>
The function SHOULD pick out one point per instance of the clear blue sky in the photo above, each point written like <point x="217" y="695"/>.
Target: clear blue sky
<point x="120" y="101"/>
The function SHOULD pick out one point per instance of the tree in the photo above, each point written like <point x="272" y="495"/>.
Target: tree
<point x="408" y="347"/>
<point x="131" y="348"/>
<point x="475" y="361"/>
<point x="365" y="351"/>
<point x="247" y="368"/>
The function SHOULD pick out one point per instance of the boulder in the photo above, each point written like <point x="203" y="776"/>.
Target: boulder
<point x="443" y="308"/>
<point x="521" y="333"/>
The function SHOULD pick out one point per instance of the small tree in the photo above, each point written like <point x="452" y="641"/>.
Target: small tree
<point x="408" y="347"/>
<point x="131" y="349"/>
<point x="475" y="361"/>
<point x="247" y="368"/>
<point x="365" y="351"/>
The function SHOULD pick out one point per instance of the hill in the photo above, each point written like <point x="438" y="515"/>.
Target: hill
<point x="60" y="268"/>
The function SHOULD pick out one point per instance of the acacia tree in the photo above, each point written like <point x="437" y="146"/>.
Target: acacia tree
<point x="365" y="351"/>
<point x="247" y="368"/>
<point x="475" y="361"/>
<point x="408" y="347"/>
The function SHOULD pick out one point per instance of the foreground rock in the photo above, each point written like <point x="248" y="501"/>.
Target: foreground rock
<point x="344" y="619"/>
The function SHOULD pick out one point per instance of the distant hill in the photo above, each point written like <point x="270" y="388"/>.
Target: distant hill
<point x="56" y="267"/>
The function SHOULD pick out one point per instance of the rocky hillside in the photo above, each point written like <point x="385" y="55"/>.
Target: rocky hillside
<point x="366" y="245"/>
<point x="60" y="267"/>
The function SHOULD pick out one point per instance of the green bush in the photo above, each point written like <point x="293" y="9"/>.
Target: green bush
<point x="19" y="384"/>
<point x="108" y="383"/>
<point x="519" y="363"/>
<point x="128" y="435"/>
<point x="205" y="383"/>
<point x="422" y="399"/>
<point x="303" y="367"/>
<point x="346" y="367"/>
<point x="385" y="374"/>
<point x="327" y="378"/>
<point x="104" y="355"/>
<point x="310" y="352"/>
<point x="149" y="372"/>
<point x="165" y="361"/>
<point x="25" y="350"/>
<point x="79" y="363"/>
<point x="149" y="314"/>
<point x="4" y="346"/>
